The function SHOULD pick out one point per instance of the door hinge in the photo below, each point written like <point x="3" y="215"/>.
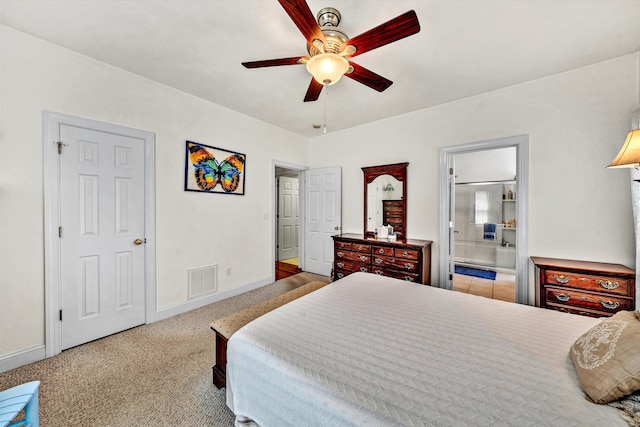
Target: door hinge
<point x="450" y="171"/>
<point x="60" y="231"/>
<point x="450" y="276"/>
<point x="61" y="315"/>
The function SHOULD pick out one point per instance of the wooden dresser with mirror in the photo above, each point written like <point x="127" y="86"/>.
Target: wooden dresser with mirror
<point x="385" y="203"/>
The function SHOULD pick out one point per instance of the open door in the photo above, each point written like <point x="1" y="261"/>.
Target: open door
<point x="452" y="230"/>
<point x="323" y="217"/>
<point x="287" y="217"/>
<point x="477" y="227"/>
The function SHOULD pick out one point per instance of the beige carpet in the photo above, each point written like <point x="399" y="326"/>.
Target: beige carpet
<point x="152" y="375"/>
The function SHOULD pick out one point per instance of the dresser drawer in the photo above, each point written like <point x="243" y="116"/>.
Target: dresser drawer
<point x="574" y="298"/>
<point x="406" y="254"/>
<point x="400" y="264"/>
<point x="353" y="246"/>
<point x="352" y="267"/>
<point x="359" y="247"/>
<point x="353" y="256"/>
<point x="343" y="245"/>
<point x="382" y="250"/>
<point x="596" y="283"/>
<point x="404" y="275"/>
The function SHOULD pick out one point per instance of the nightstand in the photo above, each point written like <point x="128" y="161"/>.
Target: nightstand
<point x="586" y="288"/>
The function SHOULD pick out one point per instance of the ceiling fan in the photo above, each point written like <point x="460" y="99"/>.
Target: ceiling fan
<point x="330" y="49"/>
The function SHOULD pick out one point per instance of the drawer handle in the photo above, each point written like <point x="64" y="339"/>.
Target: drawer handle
<point x="562" y="278"/>
<point x="341" y="264"/>
<point x="610" y="305"/>
<point x="405" y="254"/>
<point x="363" y="258"/>
<point x="562" y="297"/>
<point x="378" y="272"/>
<point x="409" y="266"/>
<point x="409" y="279"/>
<point x="607" y="284"/>
<point x="380" y="251"/>
<point x="363" y="269"/>
<point x="340" y="275"/>
<point x="379" y="261"/>
<point x="360" y="247"/>
<point x="341" y="245"/>
<point x="340" y="254"/>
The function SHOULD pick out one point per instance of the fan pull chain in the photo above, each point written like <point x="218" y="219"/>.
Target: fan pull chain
<point x="324" y="118"/>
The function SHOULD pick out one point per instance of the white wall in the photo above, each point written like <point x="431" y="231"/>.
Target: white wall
<point x="576" y="122"/>
<point x="192" y="229"/>
<point x="482" y="166"/>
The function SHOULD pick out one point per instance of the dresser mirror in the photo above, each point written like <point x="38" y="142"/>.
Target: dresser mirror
<point x="385" y="198"/>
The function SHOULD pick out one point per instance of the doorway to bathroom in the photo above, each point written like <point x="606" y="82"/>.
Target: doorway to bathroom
<point x="484" y="221"/>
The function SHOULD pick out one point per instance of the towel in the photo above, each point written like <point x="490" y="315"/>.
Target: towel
<point x="490" y="231"/>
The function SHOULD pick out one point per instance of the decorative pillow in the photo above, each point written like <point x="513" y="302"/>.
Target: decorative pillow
<point x="607" y="357"/>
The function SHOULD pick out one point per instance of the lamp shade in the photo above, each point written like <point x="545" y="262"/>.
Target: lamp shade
<point x="629" y="155"/>
<point x="327" y="68"/>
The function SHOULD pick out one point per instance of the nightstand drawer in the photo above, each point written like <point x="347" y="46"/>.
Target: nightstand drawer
<point x="604" y="303"/>
<point x="612" y="285"/>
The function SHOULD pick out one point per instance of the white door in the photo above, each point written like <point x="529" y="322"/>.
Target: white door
<point x="452" y="224"/>
<point x="288" y="217"/>
<point x="102" y="234"/>
<point x="323" y="217"/>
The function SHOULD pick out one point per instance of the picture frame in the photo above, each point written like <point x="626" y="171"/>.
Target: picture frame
<point x="211" y="169"/>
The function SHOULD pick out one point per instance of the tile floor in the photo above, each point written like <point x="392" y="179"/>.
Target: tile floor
<point x="502" y="288"/>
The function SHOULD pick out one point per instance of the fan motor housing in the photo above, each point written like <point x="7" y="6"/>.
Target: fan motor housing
<point x="328" y="19"/>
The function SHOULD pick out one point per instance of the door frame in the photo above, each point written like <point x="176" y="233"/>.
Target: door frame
<point x="52" y="256"/>
<point x="521" y="143"/>
<point x="274" y="211"/>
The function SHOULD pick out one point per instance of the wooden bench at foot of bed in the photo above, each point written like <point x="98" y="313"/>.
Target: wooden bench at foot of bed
<point x="228" y="325"/>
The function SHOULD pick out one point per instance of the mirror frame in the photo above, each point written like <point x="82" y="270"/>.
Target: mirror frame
<point x="399" y="172"/>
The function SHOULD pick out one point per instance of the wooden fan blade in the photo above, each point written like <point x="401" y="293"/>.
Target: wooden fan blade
<point x="398" y="28"/>
<point x="301" y="15"/>
<point x="314" y="91"/>
<point x="274" y="62"/>
<point x="368" y="78"/>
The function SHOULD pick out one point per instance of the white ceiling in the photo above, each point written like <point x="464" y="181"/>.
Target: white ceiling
<point x="464" y="48"/>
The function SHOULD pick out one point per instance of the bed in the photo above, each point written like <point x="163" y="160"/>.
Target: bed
<point x="369" y="350"/>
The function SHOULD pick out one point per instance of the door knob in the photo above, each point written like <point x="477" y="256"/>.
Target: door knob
<point x="137" y="242"/>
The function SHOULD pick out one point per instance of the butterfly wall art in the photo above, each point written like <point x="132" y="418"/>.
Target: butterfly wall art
<point x="213" y="170"/>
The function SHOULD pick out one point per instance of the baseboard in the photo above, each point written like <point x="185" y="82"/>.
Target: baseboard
<point x="24" y="357"/>
<point x="165" y="313"/>
<point x="21" y="358"/>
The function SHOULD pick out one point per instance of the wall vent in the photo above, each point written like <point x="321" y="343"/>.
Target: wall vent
<point x="202" y="281"/>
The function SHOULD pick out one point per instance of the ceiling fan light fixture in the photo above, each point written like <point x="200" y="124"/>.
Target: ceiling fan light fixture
<point x="327" y="68"/>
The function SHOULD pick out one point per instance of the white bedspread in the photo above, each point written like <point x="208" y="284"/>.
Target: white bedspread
<point x="374" y="351"/>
